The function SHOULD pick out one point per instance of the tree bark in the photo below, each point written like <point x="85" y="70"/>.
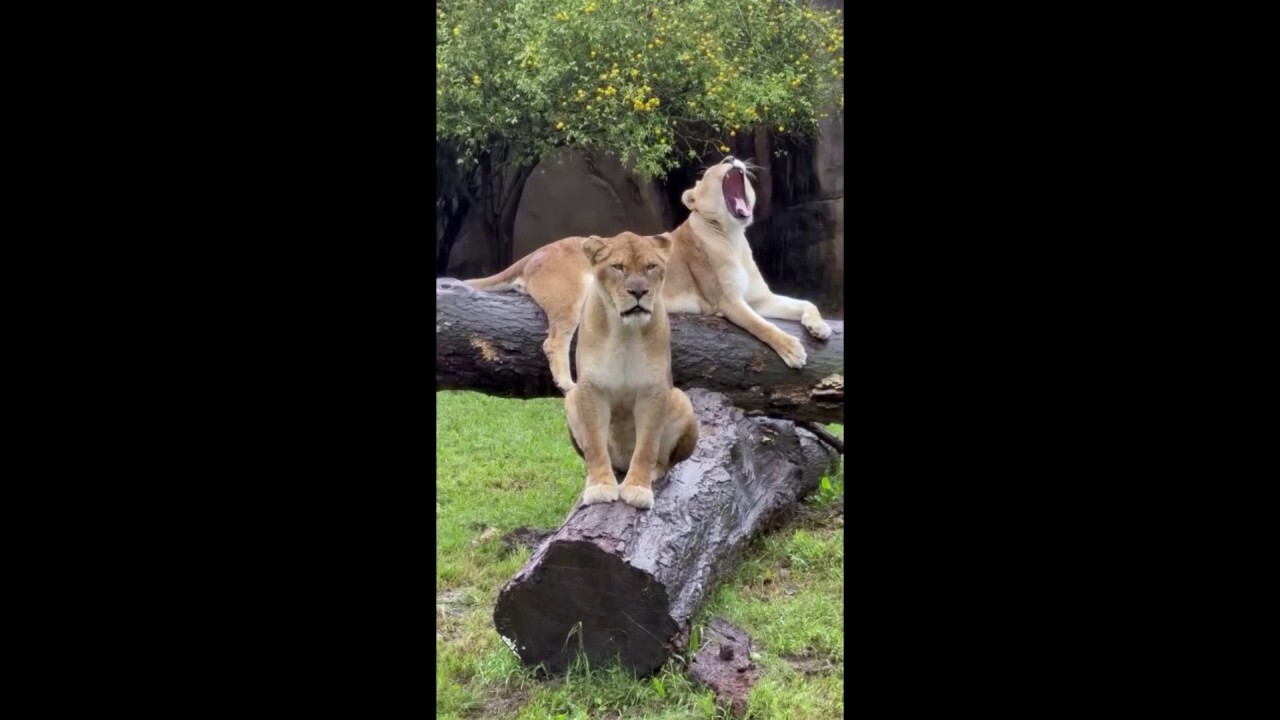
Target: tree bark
<point x="617" y="583"/>
<point x="492" y="343"/>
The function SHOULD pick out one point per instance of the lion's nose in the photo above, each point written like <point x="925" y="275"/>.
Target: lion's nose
<point x="637" y="294"/>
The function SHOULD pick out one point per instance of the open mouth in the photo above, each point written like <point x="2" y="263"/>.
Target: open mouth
<point x="735" y="193"/>
<point x="635" y="311"/>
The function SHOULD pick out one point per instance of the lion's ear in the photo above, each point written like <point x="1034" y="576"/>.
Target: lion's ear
<point x="687" y="199"/>
<point x="592" y="246"/>
<point x="662" y="243"/>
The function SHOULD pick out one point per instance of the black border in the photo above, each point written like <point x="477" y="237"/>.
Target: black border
<point x="272" y="223"/>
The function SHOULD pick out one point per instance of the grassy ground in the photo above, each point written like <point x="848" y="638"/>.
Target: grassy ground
<point x="503" y="464"/>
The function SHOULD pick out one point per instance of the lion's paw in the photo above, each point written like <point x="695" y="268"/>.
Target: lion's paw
<point x="604" y="493"/>
<point x="637" y="496"/>
<point x="817" y="327"/>
<point x="791" y="351"/>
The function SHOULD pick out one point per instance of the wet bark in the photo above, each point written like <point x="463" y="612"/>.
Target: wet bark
<point x="620" y="584"/>
<point x="492" y="343"/>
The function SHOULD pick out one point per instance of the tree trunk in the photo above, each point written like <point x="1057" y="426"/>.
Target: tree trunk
<point x="492" y="343"/>
<point x="455" y="215"/>
<point x="507" y="215"/>
<point x="617" y="583"/>
<point x="489" y="215"/>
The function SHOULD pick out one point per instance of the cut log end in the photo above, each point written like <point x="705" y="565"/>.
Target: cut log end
<point x="612" y="611"/>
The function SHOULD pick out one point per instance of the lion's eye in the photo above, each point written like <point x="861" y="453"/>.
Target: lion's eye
<point x="617" y="266"/>
<point x="651" y="267"/>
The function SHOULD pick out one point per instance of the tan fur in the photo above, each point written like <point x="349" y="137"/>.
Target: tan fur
<point x="710" y="271"/>
<point x="624" y="413"/>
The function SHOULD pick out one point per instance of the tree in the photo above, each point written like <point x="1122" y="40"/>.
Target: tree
<point x="655" y="82"/>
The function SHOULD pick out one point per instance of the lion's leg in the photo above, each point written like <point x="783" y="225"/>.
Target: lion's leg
<point x="650" y="415"/>
<point x="622" y="441"/>
<point x="739" y="313"/>
<point x="589" y="423"/>
<point x="680" y="433"/>
<point x="785" y="308"/>
<point x="563" y="307"/>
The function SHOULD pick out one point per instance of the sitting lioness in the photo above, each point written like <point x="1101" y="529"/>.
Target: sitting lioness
<point x="623" y="412"/>
<point x="711" y="271"/>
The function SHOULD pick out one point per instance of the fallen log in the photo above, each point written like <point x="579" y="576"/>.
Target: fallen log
<point x="620" y="584"/>
<point x="492" y="343"/>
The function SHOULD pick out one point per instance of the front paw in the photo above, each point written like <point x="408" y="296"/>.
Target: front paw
<point x="816" y="326"/>
<point x="637" y="496"/>
<point x="565" y="385"/>
<point x="791" y="351"/>
<point x="602" y="493"/>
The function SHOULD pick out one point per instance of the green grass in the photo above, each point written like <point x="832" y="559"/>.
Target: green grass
<point x="501" y="464"/>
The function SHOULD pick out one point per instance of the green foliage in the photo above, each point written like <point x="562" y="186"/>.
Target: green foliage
<point x="649" y="80"/>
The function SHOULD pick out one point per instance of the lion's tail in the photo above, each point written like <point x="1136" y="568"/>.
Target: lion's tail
<point x="504" y="280"/>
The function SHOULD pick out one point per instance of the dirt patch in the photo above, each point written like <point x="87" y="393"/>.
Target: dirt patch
<point x="724" y="665"/>
<point x="450" y="606"/>
<point x="810" y="663"/>
<point x="524" y="537"/>
<point x="831" y="513"/>
<point x="504" y="702"/>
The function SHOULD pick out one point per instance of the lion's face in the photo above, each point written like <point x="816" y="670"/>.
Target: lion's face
<point x="723" y="195"/>
<point x="629" y="270"/>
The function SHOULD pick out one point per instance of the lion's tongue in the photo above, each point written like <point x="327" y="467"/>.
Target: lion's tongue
<point x="735" y="193"/>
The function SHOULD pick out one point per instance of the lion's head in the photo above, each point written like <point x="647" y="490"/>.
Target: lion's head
<point x="724" y="195"/>
<point x="629" y="270"/>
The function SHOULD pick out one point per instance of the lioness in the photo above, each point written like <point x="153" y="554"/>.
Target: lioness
<point x="623" y="412"/>
<point x="711" y="271"/>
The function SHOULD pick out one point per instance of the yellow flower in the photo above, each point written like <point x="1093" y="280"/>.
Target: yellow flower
<point x="780" y="128"/>
<point x="588" y="107"/>
<point x="593" y="54"/>
<point x="457" y="30"/>
<point x="724" y="148"/>
<point x="732" y="133"/>
<point x="475" y="79"/>
<point x="560" y="125"/>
